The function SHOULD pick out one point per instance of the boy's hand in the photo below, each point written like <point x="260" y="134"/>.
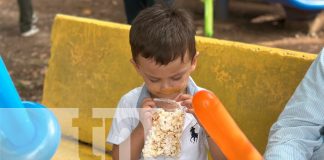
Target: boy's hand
<point x="145" y="114"/>
<point x="186" y="100"/>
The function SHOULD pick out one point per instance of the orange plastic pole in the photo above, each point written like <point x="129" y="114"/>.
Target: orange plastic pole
<point x="222" y="128"/>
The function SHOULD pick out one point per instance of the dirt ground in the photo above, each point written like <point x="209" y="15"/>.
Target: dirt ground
<point x="26" y="58"/>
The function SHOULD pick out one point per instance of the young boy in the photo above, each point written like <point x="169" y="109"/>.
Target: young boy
<point x="163" y="52"/>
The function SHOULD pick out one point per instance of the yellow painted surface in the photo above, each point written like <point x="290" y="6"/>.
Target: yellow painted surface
<point x="89" y="68"/>
<point x="253" y="82"/>
<point x="70" y="149"/>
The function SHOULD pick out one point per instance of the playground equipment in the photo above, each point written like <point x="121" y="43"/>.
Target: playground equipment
<point x="28" y="130"/>
<point x="300" y="9"/>
<point x="292" y="7"/>
<point x="217" y="9"/>
<point x="301" y="4"/>
<point x="209" y="18"/>
<point x="222" y="128"/>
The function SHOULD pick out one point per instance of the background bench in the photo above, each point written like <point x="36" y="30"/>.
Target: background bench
<point x="89" y="69"/>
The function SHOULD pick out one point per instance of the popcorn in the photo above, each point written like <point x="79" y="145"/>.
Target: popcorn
<point x="164" y="136"/>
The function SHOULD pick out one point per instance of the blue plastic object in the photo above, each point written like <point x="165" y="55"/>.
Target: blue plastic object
<point x="302" y="4"/>
<point x="17" y="123"/>
<point x="28" y="130"/>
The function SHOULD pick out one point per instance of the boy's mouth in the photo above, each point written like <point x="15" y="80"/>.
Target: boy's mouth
<point x="170" y="94"/>
<point x="170" y="91"/>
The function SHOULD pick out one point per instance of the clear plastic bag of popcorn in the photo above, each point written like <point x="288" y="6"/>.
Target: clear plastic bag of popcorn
<point x="163" y="140"/>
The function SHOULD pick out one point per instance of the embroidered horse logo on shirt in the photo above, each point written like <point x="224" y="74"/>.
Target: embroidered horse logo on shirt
<point x="194" y="135"/>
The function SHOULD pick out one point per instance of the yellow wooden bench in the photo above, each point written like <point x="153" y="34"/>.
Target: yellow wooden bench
<point x="89" y="71"/>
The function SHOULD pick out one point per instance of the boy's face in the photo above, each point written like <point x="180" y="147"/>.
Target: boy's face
<point x="165" y="81"/>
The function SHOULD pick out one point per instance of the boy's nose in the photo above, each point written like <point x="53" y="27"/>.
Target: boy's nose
<point x="165" y="86"/>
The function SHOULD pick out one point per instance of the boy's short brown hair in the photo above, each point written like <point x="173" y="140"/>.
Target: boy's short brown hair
<point x="163" y="33"/>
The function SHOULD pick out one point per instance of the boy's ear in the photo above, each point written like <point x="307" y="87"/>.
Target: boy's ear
<point x="197" y="54"/>
<point x="136" y="67"/>
<point x="134" y="64"/>
<point x="194" y="62"/>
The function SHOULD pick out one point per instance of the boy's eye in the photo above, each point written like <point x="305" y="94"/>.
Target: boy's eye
<point x="176" y="78"/>
<point x="154" y="80"/>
